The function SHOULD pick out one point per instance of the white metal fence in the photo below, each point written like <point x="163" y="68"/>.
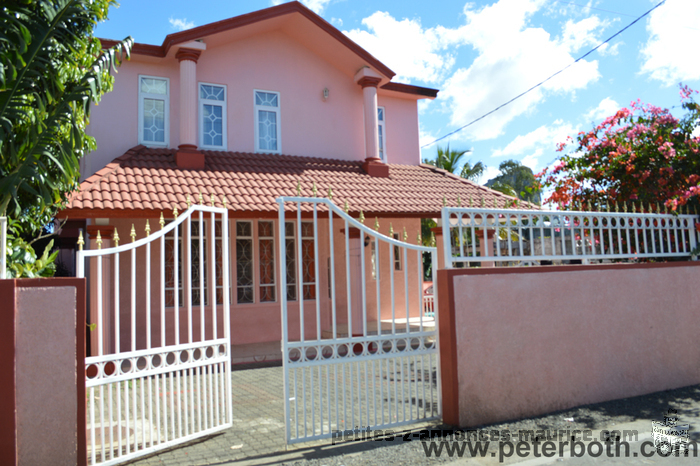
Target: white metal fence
<point x="524" y="237"/>
<point x="3" y="247"/>
<point x="157" y="380"/>
<point x="369" y="360"/>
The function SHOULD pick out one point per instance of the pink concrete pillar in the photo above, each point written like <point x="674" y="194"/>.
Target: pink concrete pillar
<point x="188" y="97"/>
<point x="437" y="231"/>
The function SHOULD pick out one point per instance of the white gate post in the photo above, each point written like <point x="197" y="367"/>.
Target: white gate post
<point x="446" y="239"/>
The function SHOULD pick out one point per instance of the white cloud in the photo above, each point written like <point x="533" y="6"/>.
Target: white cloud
<point x="670" y="53"/>
<point x="337" y="22"/>
<point x="404" y="46"/>
<point x="528" y="148"/>
<point x="512" y="58"/>
<point x="181" y="24"/>
<point x="317" y="6"/>
<point x="490" y="173"/>
<point x="607" y="107"/>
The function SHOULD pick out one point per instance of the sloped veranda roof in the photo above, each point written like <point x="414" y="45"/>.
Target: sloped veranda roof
<point x="143" y="182"/>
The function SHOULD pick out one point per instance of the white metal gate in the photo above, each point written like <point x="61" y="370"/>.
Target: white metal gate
<point x="161" y="372"/>
<point x="366" y="361"/>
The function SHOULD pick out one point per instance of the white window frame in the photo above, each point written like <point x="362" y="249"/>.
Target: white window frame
<point x="166" y="98"/>
<point x="219" y="103"/>
<point x="382" y="124"/>
<point x="274" y="283"/>
<point x="278" y="111"/>
<point x="253" y="253"/>
<point x="397" y="255"/>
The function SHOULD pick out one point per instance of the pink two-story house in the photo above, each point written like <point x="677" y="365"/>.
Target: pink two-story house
<point x="243" y="111"/>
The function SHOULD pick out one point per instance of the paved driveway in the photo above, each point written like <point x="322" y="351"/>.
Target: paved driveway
<point x="258" y="428"/>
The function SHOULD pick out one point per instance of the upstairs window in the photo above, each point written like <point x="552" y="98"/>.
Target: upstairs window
<point x="382" y="133"/>
<point x="212" y="116"/>
<point x="154" y="108"/>
<point x="267" y="121"/>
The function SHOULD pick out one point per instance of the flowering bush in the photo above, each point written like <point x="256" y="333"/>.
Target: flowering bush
<point x="641" y="155"/>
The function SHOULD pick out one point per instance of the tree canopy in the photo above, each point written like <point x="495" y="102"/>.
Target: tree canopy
<point x="641" y="156"/>
<point x="516" y="180"/>
<point x="51" y="69"/>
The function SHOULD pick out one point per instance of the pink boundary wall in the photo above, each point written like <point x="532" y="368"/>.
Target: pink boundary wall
<point x="523" y="342"/>
<point x="43" y="371"/>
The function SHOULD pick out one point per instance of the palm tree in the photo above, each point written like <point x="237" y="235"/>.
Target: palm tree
<point x="448" y="160"/>
<point x="472" y="172"/>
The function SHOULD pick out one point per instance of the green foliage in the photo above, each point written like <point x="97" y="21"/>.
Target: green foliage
<point x="23" y="263"/>
<point x="449" y="160"/>
<point x="516" y="180"/>
<point x="51" y="69"/>
<point x="642" y="155"/>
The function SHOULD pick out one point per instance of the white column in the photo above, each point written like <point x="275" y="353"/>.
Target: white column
<point x="188" y="97"/>
<point x="369" y="92"/>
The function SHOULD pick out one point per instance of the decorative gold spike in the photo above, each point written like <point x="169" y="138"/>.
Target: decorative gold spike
<point x="444" y="201"/>
<point x="376" y="223"/>
<point x="459" y="201"/>
<point x="471" y="201"/>
<point x="658" y="209"/>
<point x="314" y="191"/>
<point x="115" y="237"/>
<point x="651" y="209"/>
<point x="175" y="213"/>
<point x="189" y="202"/>
<point x="99" y="240"/>
<point x="148" y="228"/>
<point x="634" y="208"/>
<point x="432" y="239"/>
<point x="298" y="189"/>
<point x="588" y="206"/>
<point x="345" y="207"/>
<point x="391" y="230"/>
<point x="330" y="194"/>
<point x="607" y="207"/>
<point x="223" y="200"/>
<point x="405" y="235"/>
<point x="495" y="203"/>
<point x="483" y="202"/>
<point x="81" y="241"/>
<point x="362" y="217"/>
<point x="133" y="233"/>
<point x="420" y="239"/>
<point x="599" y="206"/>
<point x="624" y="206"/>
<point x="201" y="198"/>
<point x="665" y="208"/>
<point x="161" y="221"/>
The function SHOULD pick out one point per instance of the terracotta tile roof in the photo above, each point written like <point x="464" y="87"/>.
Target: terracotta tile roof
<point x="146" y="179"/>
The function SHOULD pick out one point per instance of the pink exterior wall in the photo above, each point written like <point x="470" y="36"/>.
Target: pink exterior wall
<point x="271" y="61"/>
<point x="401" y="126"/>
<point x="44" y="385"/>
<point x="518" y="343"/>
<point x="258" y="322"/>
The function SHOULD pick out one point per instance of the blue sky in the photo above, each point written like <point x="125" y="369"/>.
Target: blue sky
<point x="481" y="54"/>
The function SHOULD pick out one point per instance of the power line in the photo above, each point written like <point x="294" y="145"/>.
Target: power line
<point x="542" y="82"/>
